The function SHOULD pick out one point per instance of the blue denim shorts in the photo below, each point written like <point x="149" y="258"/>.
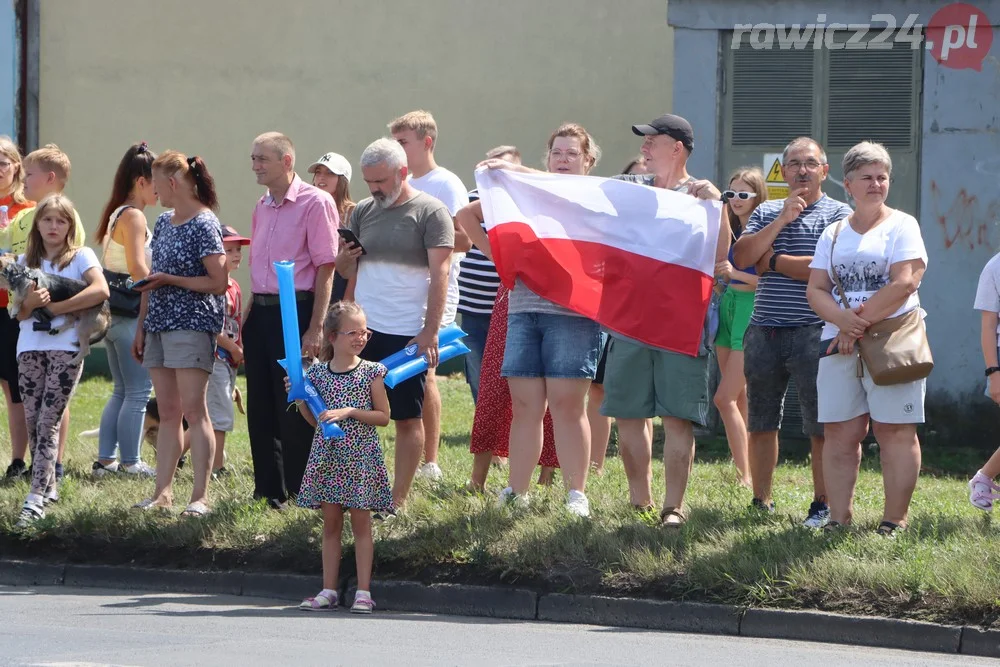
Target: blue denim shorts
<point x="542" y="345"/>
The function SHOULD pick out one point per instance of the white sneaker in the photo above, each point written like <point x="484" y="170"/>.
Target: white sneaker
<point x="140" y="469"/>
<point x="30" y="513"/>
<point x="508" y="498"/>
<point x="100" y="470"/>
<point x="578" y="504"/>
<point x="431" y="471"/>
<point x="50" y="496"/>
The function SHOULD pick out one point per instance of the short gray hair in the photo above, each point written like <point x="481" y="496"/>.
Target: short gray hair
<point x="384" y="151"/>
<point x="864" y="154"/>
<point x="802" y="142"/>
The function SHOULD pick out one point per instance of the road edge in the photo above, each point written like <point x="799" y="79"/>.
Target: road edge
<point x="523" y="604"/>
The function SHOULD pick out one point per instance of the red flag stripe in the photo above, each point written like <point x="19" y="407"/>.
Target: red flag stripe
<point x="657" y="303"/>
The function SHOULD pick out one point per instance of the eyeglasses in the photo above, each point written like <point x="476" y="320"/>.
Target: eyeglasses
<point x="730" y="194"/>
<point x="363" y="334"/>
<point x="4" y="165"/>
<point x="570" y="155"/>
<point x="810" y="165"/>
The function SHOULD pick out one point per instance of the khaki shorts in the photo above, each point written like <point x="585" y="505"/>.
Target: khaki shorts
<point x="219" y="397"/>
<point x="842" y="395"/>
<point x="180" y="349"/>
<point x="641" y="382"/>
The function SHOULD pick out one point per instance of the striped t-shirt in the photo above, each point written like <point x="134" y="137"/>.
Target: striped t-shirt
<point x="780" y="301"/>
<point x="478" y="280"/>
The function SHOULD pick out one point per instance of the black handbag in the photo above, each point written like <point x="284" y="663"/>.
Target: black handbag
<point x="124" y="301"/>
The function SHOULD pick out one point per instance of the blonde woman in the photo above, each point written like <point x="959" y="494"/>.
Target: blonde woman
<point x="877" y="257"/>
<point x="745" y="192"/>
<point x="551" y="355"/>
<point x="12" y="196"/>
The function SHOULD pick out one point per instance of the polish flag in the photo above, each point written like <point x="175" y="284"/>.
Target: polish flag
<point x="638" y="260"/>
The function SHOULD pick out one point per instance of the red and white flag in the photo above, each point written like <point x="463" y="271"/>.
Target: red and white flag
<point x="639" y="260"/>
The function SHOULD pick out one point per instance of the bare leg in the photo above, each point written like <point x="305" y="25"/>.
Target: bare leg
<point x="678" y="456"/>
<point x="432" y="418"/>
<point x="600" y="427"/>
<point x="409" y="445"/>
<point x="636" y="448"/>
<point x="63" y="434"/>
<point x="900" y="452"/>
<point x="732" y="390"/>
<point x="364" y="546"/>
<point x="763" y="460"/>
<point x="546" y="476"/>
<point x="168" y="438"/>
<point x="193" y="384"/>
<point x="991" y="469"/>
<point x="527" y="397"/>
<point x="219" y="459"/>
<point x="842" y="453"/>
<point x="566" y="399"/>
<point x="333" y="526"/>
<point x="819" y="485"/>
<point x="480" y="470"/>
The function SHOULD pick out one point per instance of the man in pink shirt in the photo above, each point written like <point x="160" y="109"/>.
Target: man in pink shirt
<point x="292" y="221"/>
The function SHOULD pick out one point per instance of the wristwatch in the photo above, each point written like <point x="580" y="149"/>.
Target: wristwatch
<point x="771" y="264"/>
<point x="991" y="370"/>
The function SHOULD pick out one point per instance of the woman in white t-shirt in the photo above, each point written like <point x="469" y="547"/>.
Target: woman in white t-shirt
<point x="47" y="363"/>
<point x="879" y="256"/>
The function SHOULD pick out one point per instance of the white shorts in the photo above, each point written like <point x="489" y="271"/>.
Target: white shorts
<point x="219" y="397"/>
<point x="842" y="395"/>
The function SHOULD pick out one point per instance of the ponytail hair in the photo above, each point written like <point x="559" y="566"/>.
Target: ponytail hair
<point x="193" y="171"/>
<point x="136" y="163"/>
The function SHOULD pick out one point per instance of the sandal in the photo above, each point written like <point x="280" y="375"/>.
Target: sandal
<point x="982" y="492"/>
<point x="888" y="529"/>
<point x="671" y="517"/>
<point x="325" y="600"/>
<point x="148" y="504"/>
<point x="832" y="527"/>
<point x="196" y="509"/>
<point x="362" y="605"/>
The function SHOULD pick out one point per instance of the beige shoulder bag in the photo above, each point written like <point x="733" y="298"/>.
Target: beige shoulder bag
<point x="895" y="350"/>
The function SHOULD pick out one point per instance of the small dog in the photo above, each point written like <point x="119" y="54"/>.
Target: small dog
<point x="91" y="324"/>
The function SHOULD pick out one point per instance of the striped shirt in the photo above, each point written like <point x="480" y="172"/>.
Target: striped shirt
<point x="780" y="301"/>
<point x="478" y="280"/>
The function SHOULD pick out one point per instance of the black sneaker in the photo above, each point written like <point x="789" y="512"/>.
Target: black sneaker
<point x="16" y="470"/>
<point x="819" y="515"/>
<point x="59" y="472"/>
<point x="759" y="505"/>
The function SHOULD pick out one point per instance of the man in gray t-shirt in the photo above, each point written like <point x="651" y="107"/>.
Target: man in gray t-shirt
<point x="401" y="283"/>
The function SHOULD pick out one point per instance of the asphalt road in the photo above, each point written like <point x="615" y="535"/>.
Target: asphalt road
<point x="68" y="626"/>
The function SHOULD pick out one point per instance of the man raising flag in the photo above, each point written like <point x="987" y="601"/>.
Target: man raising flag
<point x="641" y="262"/>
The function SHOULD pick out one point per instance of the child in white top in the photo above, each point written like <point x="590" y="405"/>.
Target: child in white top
<point x="982" y="489"/>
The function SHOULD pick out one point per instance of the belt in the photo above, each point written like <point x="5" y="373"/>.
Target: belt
<point x="274" y="299"/>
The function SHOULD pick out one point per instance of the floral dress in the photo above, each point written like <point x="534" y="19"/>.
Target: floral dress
<point x="491" y="424"/>
<point x="351" y="471"/>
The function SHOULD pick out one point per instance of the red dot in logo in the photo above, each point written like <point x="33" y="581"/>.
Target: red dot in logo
<point x="959" y="36"/>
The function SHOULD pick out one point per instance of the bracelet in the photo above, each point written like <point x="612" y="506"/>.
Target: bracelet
<point x="991" y="370"/>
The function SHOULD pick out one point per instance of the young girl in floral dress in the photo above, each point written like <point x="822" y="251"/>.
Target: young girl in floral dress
<point x="349" y="473"/>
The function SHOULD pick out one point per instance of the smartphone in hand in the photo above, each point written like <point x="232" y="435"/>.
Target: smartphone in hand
<point x="350" y="237"/>
<point x="140" y="283"/>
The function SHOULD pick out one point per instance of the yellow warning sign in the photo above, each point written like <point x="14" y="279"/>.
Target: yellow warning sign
<point x="777" y="191"/>
<point x="774" y="173"/>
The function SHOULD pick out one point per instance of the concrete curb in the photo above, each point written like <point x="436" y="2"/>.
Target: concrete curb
<point x="506" y="603"/>
<point x="837" y="629"/>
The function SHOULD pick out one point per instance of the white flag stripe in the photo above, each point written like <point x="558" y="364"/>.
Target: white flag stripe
<point x="661" y="224"/>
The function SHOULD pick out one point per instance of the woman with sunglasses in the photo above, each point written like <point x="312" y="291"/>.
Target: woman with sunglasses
<point x="746" y="191"/>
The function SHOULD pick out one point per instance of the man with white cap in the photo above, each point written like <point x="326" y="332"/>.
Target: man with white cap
<point x="332" y="174"/>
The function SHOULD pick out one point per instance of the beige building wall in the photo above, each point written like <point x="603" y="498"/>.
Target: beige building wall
<point x="207" y="76"/>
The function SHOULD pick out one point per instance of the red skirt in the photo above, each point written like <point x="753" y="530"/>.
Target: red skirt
<point x="491" y="425"/>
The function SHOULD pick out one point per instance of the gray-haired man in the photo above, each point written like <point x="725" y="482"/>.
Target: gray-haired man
<point x="408" y="238"/>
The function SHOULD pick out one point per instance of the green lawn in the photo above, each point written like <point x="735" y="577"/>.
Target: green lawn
<point x="945" y="567"/>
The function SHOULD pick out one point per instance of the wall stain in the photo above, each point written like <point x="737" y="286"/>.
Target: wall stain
<point x="966" y="221"/>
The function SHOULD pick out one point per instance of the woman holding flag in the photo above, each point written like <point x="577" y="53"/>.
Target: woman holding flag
<point x="551" y="354"/>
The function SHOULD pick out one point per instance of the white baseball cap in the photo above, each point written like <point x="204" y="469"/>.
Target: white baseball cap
<point x="335" y="162"/>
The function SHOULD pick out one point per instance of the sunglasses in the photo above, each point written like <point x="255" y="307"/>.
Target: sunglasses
<point x="730" y="194"/>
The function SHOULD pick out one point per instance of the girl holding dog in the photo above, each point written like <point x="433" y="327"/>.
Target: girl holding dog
<point x="347" y="475"/>
<point x="49" y="365"/>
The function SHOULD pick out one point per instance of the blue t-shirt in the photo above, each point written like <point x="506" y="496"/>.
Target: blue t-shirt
<point x="179" y="250"/>
<point x="780" y="301"/>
